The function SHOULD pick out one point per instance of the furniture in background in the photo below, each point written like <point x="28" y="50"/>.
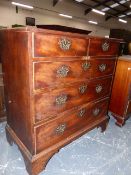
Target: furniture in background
<point x="120" y="103"/>
<point x="125" y="47"/>
<point x="2" y="101"/>
<point x="57" y="87"/>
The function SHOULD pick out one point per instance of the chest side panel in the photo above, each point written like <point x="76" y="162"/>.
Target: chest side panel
<point x="15" y="58"/>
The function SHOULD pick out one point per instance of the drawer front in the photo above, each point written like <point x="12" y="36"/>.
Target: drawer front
<point x="53" y="73"/>
<point x="102" y="67"/>
<point x="129" y="108"/>
<point x="46" y="45"/>
<point x="49" y="104"/>
<point x="69" y="123"/>
<point x="101" y="47"/>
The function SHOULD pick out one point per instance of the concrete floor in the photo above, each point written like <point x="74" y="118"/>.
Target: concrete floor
<point x="94" y="153"/>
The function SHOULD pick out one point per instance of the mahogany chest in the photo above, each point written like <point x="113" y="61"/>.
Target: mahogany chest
<point x="60" y="90"/>
<point x="120" y="103"/>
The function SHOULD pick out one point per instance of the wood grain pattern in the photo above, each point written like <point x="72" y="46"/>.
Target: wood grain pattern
<point x="97" y="67"/>
<point x="15" y="62"/>
<point x="47" y="134"/>
<point x="96" y="47"/>
<point x="48" y="46"/>
<point x="47" y="109"/>
<point x="48" y="73"/>
<point x="121" y="91"/>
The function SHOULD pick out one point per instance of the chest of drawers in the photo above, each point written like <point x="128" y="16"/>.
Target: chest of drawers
<point x="60" y="89"/>
<point x="120" y="103"/>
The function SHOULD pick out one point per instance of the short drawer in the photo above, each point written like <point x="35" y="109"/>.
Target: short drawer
<point x="58" y="73"/>
<point x="46" y="45"/>
<point x="100" y="47"/>
<point x="49" y="104"/>
<point x="69" y="123"/>
<point x="129" y="108"/>
<point x="102" y="67"/>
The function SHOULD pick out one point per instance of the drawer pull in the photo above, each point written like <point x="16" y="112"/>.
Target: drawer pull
<point x="105" y="46"/>
<point x="64" y="44"/>
<point x="63" y="71"/>
<point x="82" y="112"/>
<point x="60" y="100"/>
<point x="102" y="67"/>
<point x="98" y="88"/>
<point x="86" y="66"/>
<point x="82" y="89"/>
<point x="96" y="111"/>
<point x="60" y="129"/>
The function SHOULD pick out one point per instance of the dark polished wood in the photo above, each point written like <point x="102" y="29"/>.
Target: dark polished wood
<point x="15" y="64"/>
<point x="72" y="121"/>
<point x="47" y="74"/>
<point x="120" y="105"/>
<point x="97" y="44"/>
<point x="64" y="29"/>
<point x="48" y="45"/>
<point x="74" y="97"/>
<point x="56" y="89"/>
<point x="103" y="66"/>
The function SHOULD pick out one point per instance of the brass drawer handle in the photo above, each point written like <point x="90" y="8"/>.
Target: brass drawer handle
<point x="60" y="100"/>
<point x="60" y="129"/>
<point x="98" y="88"/>
<point x="86" y="66"/>
<point x="105" y="46"/>
<point x="82" y="89"/>
<point x="62" y="71"/>
<point x="64" y="44"/>
<point x="96" y="111"/>
<point x="82" y="112"/>
<point x="102" y="67"/>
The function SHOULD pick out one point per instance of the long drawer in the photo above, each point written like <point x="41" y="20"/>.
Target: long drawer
<point x="53" y="73"/>
<point x="46" y="45"/>
<point x="49" y="104"/>
<point x="68" y="123"/>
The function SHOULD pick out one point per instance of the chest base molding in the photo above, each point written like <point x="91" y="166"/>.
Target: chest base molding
<point x="36" y="163"/>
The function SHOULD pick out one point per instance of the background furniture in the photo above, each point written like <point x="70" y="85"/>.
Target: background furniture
<point x="122" y="34"/>
<point x="120" y="104"/>
<point x="60" y="89"/>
